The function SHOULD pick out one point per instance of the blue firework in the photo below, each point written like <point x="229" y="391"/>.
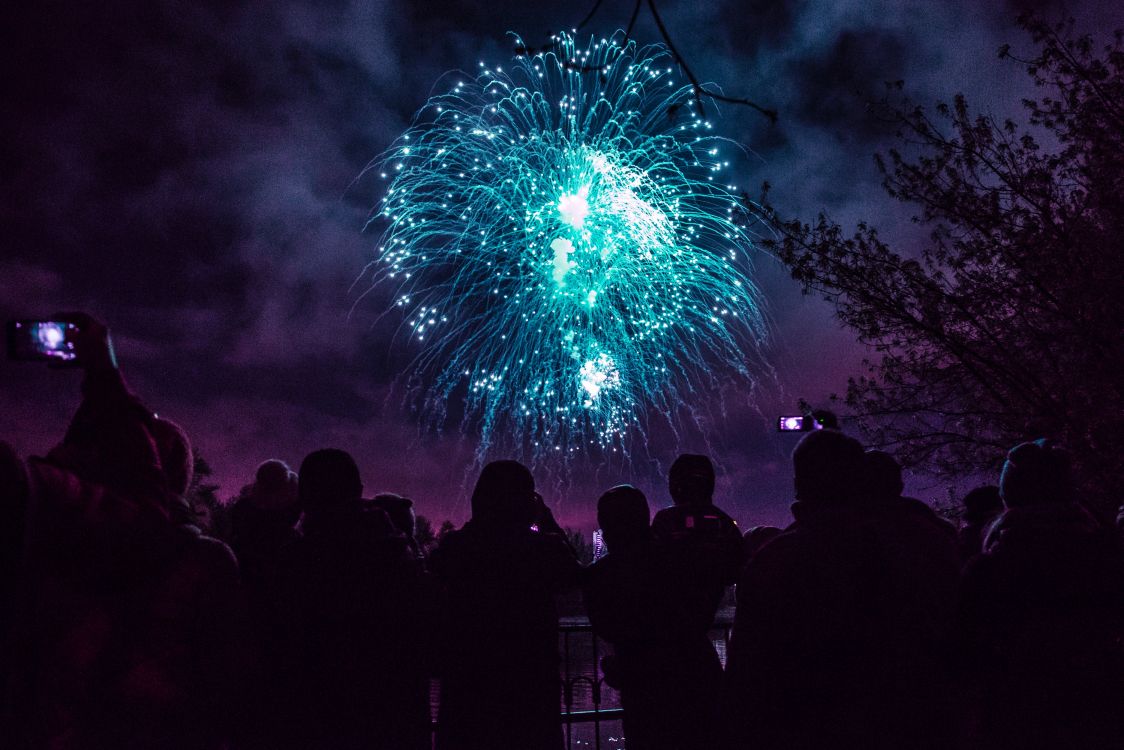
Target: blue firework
<point x="565" y="251"/>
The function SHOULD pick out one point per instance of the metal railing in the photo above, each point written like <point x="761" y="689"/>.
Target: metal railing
<point x="587" y="702"/>
<point x="586" y="699"/>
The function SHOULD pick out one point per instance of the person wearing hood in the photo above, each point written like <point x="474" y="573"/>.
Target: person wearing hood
<point x="1042" y="612"/>
<point x="127" y="627"/>
<point x="500" y="686"/>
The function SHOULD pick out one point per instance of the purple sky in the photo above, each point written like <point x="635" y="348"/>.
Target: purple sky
<point x="192" y="174"/>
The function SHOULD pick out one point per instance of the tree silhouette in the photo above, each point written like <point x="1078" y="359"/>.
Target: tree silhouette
<point x="1006" y="325"/>
<point x="214" y="515"/>
<point x="701" y="91"/>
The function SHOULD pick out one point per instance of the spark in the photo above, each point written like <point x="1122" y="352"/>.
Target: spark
<point x="565" y="258"/>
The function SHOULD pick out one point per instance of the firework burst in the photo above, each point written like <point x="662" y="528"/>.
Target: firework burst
<point x="566" y="253"/>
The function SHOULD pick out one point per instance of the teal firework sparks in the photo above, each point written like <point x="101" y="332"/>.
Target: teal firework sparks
<point x="565" y="249"/>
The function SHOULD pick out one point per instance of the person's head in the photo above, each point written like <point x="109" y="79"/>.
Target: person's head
<point x="399" y="509"/>
<point x="1035" y="473"/>
<point x="329" y="480"/>
<point x="505" y="495"/>
<point x="691" y="480"/>
<point x="624" y="517"/>
<point x="982" y="504"/>
<point x="174" y="449"/>
<point x="883" y="475"/>
<point x="111" y="449"/>
<point x="828" y="468"/>
<point x="274" y="488"/>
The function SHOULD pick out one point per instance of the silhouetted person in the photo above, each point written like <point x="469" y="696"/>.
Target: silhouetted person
<point x="758" y="537"/>
<point x="13" y="513"/>
<point x="400" y="510"/>
<point x="263" y="525"/>
<point x="1043" y="613"/>
<point x="843" y="621"/>
<point x="702" y="544"/>
<point x="126" y="634"/>
<point x="884" y="485"/>
<point x="499" y="683"/>
<point x="981" y="507"/>
<point x="665" y="667"/>
<point x="264" y="518"/>
<point x="204" y="647"/>
<point x="356" y="619"/>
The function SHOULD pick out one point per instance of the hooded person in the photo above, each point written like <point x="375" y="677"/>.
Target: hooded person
<point x="113" y="639"/>
<point x="1042" y="609"/>
<point x="501" y="573"/>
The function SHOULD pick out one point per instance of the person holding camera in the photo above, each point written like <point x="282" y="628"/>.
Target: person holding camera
<point x="128" y="617"/>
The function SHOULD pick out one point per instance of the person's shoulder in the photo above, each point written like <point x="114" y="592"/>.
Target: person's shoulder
<point x="725" y="519"/>
<point x="216" y="555"/>
<point x="447" y="551"/>
<point x="794" y="544"/>
<point x="668" y="512"/>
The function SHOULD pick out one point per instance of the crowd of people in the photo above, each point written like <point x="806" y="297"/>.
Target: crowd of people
<point x="868" y="622"/>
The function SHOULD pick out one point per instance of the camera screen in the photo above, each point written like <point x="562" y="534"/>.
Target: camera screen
<point x="41" y="339"/>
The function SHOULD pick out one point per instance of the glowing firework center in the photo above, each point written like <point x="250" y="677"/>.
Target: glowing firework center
<point x="567" y="255"/>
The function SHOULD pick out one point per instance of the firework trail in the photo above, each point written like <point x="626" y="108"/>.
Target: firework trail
<point x="565" y="253"/>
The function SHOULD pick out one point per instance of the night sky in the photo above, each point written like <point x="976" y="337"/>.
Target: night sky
<point x="193" y="174"/>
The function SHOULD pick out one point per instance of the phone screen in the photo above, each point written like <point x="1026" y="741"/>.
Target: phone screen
<point x="790" y="424"/>
<point x="44" y="340"/>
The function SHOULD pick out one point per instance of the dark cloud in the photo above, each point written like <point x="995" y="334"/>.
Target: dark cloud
<point x="753" y="26"/>
<point x="836" y="86"/>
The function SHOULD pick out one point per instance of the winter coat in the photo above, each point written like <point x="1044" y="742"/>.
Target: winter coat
<point x="355" y="615"/>
<point x="1042" y="613"/>
<point x="663" y="663"/>
<point x="499" y="681"/>
<point x="842" y="632"/>
<point x="131" y="629"/>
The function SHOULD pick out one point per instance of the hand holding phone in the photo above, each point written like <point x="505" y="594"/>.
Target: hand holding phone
<point x="43" y="341"/>
<point x="798" y="424"/>
<point x="65" y="339"/>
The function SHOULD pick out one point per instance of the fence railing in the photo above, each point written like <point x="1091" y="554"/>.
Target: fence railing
<point x="587" y="702"/>
<point x="588" y="705"/>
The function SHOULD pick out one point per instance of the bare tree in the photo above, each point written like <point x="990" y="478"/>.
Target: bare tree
<point x="701" y="91"/>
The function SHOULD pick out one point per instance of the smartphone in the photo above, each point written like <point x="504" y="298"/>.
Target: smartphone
<point x="798" y="424"/>
<point x="599" y="550"/>
<point x="42" y="340"/>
